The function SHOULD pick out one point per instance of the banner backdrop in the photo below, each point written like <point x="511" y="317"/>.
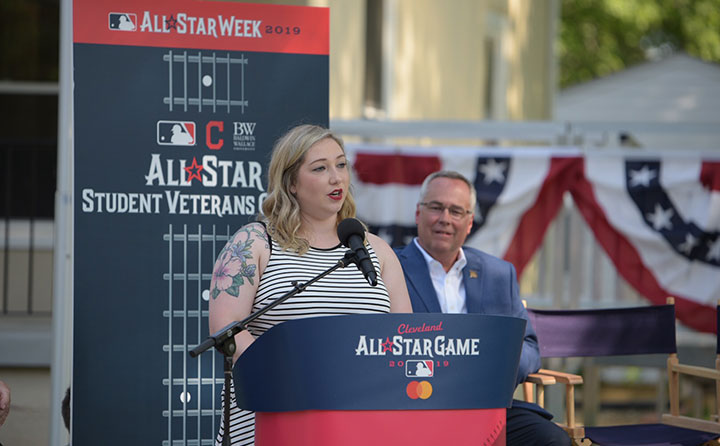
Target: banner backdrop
<point x="177" y="104"/>
<point x="656" y="216"/>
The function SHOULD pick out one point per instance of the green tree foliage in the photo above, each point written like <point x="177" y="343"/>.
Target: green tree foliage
<point x="599" y="37"/>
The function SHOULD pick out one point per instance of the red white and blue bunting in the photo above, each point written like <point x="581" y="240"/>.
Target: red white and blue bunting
<point x="657" y="215"/>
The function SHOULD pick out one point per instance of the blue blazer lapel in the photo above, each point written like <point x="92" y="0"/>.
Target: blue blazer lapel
<point x="473" y="277"/>
<point x="418" y="280"/>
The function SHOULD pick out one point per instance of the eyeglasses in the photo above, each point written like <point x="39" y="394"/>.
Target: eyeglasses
<point x="435" y="207"/>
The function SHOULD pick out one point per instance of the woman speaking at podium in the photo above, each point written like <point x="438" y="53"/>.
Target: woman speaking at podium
<point x="297" y="239"/>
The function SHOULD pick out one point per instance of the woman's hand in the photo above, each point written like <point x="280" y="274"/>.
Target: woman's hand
<point x="4" y="402"/>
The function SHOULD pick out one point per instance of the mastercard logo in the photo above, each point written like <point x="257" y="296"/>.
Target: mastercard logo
<point x="419" y="389"/>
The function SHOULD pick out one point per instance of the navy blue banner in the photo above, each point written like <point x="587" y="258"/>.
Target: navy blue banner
<point x="170" y="157"/>
<point x="382" y="362"/>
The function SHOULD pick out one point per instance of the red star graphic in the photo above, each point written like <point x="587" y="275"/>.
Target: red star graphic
<point x="387" y="345"/>
<point x="171" y="23"/>
<point x="196" y="168"/>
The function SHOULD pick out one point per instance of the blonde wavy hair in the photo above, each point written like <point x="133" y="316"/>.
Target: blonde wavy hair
<point x="281" y="210"/>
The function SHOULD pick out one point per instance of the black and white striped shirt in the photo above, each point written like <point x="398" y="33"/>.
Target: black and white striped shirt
<point x="344" y="291"/>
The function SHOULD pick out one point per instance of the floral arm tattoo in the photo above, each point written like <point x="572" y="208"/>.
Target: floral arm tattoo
<point x="232" y="268"/>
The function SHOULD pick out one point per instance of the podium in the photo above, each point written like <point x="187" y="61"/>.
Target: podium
<point x="417" y="379"/>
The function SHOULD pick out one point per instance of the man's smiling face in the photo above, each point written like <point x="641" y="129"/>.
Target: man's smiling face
<point x="440" y="233"/>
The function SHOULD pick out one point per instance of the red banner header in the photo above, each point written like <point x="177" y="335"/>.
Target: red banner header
<point x="203" y="24"/>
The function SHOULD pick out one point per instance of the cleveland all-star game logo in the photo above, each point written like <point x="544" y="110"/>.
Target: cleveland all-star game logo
<point x="419" y="351"/>
<point x="398" y="345"/>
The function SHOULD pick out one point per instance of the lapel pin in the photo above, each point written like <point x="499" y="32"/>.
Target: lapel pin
<point x="473" y="274"/>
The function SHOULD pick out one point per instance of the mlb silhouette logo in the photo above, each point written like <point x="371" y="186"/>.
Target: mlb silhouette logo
<point x="176" y="133"/>
<point x="423" y="368"/>
<point x="121" y="21"/>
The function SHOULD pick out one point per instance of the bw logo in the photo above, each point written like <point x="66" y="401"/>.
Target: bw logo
<point x="122" y="21"/>
<point x="244" y="128"/>
<point x="176" y="133"/>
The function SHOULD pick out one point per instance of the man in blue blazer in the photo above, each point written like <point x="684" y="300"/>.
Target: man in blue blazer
<point x="443" y="276"/>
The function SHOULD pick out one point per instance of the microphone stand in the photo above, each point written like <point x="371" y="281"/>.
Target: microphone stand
<point x="224" y="339"/>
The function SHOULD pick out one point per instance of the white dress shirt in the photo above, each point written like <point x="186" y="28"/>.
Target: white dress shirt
<point x="448" y="286"/>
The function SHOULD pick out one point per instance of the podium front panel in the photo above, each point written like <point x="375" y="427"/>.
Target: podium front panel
<point x="382" y="362"/>
<point x="471" y="427"/>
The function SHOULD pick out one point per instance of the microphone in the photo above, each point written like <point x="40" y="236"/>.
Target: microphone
<point x="352" y="234"/>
